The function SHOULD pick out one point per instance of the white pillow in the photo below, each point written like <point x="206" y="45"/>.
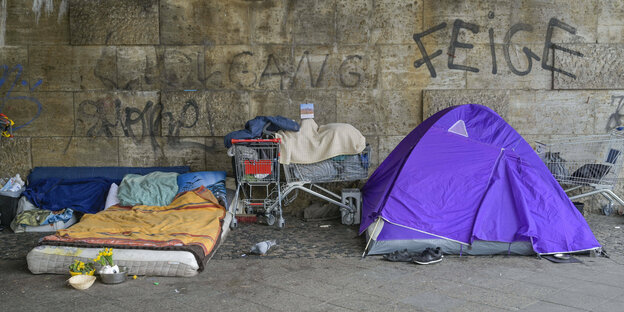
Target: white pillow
<point x="112" y="199"/>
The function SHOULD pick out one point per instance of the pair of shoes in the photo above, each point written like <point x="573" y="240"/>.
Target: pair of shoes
<point x="429" y="256"/>
<point x="398" y="256"/>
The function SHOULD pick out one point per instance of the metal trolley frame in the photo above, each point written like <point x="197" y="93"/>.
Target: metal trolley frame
<point x="589" y="164"/>
<point x="307" y="177"/>
<point x="258" y="171"/>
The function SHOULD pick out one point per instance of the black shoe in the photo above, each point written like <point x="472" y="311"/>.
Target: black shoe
<point x="437" y="252"/>
<point x="428" y="256"/>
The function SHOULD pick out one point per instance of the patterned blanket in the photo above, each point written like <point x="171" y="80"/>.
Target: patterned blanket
<point x="192" y="222"/>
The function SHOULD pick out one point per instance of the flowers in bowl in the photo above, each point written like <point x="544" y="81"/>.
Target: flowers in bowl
<point x="105" y="258"/>
<point x="80" y="268"/>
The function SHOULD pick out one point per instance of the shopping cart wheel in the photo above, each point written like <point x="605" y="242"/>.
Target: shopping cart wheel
<point x="347" y="218"/>
<point x="270" y="219"/>
<point x="234" y="223"/>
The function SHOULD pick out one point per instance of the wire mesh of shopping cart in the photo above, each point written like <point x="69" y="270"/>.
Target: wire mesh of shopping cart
<point x="306" y="177"/>
<point x="588" y="164"/>
<point x="257" y="168"/>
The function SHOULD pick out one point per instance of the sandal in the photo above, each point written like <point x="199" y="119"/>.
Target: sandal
<point x="398" y="256"/>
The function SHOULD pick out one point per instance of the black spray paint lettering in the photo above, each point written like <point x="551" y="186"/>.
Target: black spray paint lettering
<point x="149" y="118"/>
<point x="615" y="120"/>
<point x="313" y="82"/>
<point x="344" y="69"/>
<point x="459" y="24"/>
<point x="241" y="74"/>
<point x="239" y="70"/>
<point x="548" y="45"/>
<point x="530" y="55"/>
<point x="278" y="72"/>
<point x="8" y="98"/>
<point x="426" y="58"/>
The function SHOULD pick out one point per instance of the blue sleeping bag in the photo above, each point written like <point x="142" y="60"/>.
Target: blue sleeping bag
<point x="86" y="195"/>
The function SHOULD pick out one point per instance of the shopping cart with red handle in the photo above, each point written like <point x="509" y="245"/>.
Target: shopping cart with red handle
<point x="258" y="179"/>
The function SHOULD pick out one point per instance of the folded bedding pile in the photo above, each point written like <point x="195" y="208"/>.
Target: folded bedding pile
<point x="59" y="195"/>
<point x="324" y="153"/>
<point x="314" y="143"/>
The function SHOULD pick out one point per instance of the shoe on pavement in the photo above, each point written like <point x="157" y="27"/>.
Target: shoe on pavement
<point x="428" y="256"/>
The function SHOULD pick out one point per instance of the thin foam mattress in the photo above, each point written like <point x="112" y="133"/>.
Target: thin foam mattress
<point x="56" y="259"/>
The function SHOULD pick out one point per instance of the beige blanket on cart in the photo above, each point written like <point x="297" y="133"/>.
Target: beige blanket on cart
<point x="314" y="143"/>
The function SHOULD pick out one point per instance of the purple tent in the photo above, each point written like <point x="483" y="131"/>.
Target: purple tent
<point x="466" y="181"/>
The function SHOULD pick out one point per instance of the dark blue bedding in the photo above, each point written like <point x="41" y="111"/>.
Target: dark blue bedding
<point x="87" y="195"/>
<point x="117" y="173"/>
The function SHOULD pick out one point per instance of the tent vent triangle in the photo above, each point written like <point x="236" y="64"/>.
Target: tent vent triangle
<point x="459" y="128"/>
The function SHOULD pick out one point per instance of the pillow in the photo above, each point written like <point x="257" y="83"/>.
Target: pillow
<point x="154" y="189"/>
<point x="111" y="198"/>
<point x="193" y="180"/>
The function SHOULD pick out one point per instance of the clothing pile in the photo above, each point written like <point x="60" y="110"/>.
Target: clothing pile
<point x="325" y="153"/>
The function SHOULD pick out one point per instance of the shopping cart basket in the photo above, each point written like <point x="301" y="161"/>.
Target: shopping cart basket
<point x="586" y="164"/>
<point x="306" y="177"/>
<point x="258" y="179"/>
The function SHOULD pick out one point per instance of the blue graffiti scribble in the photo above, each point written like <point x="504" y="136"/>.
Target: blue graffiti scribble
<point x="18" y="69"/>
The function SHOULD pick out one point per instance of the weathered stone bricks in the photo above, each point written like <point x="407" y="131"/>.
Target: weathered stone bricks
<point x="15" y="154"/>
<point x="395" y="21"/>
<point x="397" y="70"/>
<point x="28" y="24"/>
<point x="204" y="22"/>
<point x="53" y="118"/>
<point x="162" y="151"/>
<point x="74" y="151"/>
<point x="138" y="68"/>
<point x="53" y="65"/>
<point x="437" y="100"/>
<point x="15" y="58"/>
<point x="114" y="22"/>
<point x="315" y="22"/>
<point x="111" y="114"/>
<point x="610" y="27"/>
<point x="600" y="67"/>
<point x="206" y="114"/>
<point x="287" y="104"/>
<point x="96" y="67"/>
<point x="182" y="68"/>
<point x="273" y="21"/>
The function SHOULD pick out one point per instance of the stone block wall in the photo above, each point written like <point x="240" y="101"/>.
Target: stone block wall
<point x="160" y="82"/>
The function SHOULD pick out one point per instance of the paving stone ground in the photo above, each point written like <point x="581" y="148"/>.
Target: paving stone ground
<point x="317" y="267"/>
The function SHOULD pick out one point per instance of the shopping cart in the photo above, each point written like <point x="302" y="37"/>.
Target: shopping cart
<point x="587" y="164"/>
<point x="306" y="177"/>
<point x="258" y="179"/>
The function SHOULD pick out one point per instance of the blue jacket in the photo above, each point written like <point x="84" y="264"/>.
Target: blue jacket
<point x="254" y="128"/>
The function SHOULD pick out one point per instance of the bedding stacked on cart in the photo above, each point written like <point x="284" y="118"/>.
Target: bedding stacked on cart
<point x="326" y="153"/>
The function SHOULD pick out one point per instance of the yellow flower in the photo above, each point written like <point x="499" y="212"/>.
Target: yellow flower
<point x="97" y="258"/>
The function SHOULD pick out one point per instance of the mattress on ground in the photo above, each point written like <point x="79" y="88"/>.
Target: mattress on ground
<point x="56" y="259"/>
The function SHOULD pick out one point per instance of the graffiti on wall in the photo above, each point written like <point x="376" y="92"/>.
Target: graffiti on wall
<point x="10" y="78"/>
<point x="615" y="119"/>
<point x="106" y="116"/>
<point x="459" y="24"/>
<point x="306" y="71"/>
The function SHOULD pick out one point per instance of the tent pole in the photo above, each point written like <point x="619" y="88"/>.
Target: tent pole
<point x="370" y="238"/>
